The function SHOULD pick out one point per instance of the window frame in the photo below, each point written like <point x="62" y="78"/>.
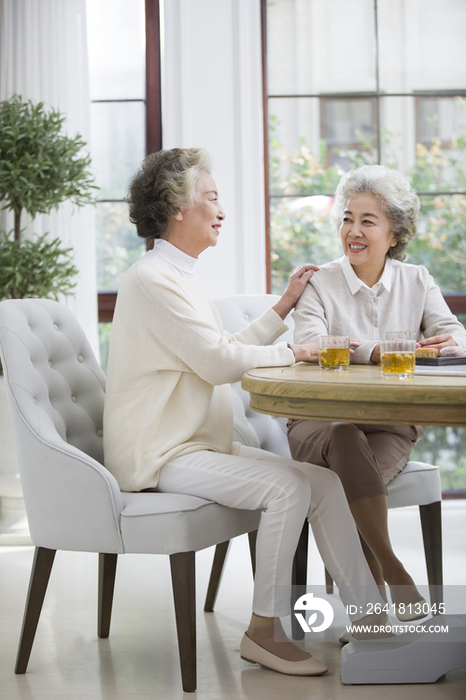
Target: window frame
<point x="324" y="122"/>
<point x="456" y="302"/>
<point x="153" y="116"/>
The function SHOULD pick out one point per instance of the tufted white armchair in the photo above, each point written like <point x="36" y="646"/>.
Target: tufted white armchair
<point x="417" y="484"/>
<point x="251" y="428"/>
<point x="55" y="390"/>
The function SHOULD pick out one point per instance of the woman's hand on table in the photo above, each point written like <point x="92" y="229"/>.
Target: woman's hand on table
<point x="443" y="343"/>
<point x="306" y="353"/>
<point x="310" y="353"/>
<point x="375" y="355"/>
<point x="294" y="288"/>
<point x="439" y="342"/>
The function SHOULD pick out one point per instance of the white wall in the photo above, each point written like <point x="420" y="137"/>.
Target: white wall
<point x="212" y="87"/>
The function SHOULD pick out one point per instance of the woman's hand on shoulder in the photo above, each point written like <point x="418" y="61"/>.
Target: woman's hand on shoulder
<point x="294" y="288"/>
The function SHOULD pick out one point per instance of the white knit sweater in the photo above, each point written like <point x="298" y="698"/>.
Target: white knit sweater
<point x="169" y="369"/>
<point x="406" y="298"/>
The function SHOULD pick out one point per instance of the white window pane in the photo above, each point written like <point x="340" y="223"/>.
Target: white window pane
<point x="440" y="244"/>
<point x="348" y="126"/>
<point x="116" y="44"/>
<point x="323" y="46"/>
<point x="312" y="141"/>
<point x="118" y="144"/>
<point x="118" y="244"/>
<point x="292" y="124"/>
<point x="300" y="232"/>
<point x="422" y="45"/>
<point x="398" y="132"/>
<point x="425" y="138"/>
<point x="442" y="119"/>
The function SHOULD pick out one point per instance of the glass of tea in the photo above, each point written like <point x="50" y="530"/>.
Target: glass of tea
<point x="334" y="352"/>
<point x="398" y="354"/>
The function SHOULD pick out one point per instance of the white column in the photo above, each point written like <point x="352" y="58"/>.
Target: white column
<point x="212" y="98"/>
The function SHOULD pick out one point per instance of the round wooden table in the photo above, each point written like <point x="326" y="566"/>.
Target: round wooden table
<point x="362" y="395"/>
<point x="359" y="394"/>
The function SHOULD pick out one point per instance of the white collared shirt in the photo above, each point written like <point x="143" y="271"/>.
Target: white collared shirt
<point x="355" y="284"/>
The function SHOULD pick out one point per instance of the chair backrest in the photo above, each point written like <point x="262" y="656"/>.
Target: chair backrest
<point x="251" y="428"/>
<point x="53" y="373"/>
<point x="55" y="389"/>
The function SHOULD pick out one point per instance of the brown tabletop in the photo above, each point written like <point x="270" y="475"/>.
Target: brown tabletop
<point x="357" y="395"/>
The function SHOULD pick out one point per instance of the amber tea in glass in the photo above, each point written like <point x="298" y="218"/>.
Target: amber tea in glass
<point x="334" y="352"/>
<point x="398" y="362"/>
<point x="398" y="356"/>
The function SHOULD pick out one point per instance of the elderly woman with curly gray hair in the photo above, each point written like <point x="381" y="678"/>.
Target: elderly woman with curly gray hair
<point x="362" y="295"/>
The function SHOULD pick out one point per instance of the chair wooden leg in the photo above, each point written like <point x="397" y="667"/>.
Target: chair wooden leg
<point x="299" y="578"/>
<point x="40" y="574"/>
<point x="252" y="536"/>
<point x="107" y="572"/>
<point x="184" y="593"/>
<point x="431" y="523"/>
<point x="328" y="582"/>
<point x="221" y="551"/>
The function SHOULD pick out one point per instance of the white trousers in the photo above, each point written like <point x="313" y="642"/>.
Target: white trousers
<point x="286" y="492"/>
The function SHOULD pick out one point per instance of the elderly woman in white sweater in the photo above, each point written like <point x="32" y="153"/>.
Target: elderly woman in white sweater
<point x="168" y="423"/>
<point x="363" y="294"/>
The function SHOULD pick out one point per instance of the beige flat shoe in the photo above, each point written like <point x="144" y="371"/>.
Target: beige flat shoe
<point x="346" y="638"/>
<point x="255" y="654"/>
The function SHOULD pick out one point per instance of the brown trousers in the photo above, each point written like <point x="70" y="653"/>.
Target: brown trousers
<point x="365" y="457"/>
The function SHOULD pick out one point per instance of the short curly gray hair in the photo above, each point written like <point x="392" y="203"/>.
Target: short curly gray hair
<point x="398" y="201"/>
<point x="166" y="184"/>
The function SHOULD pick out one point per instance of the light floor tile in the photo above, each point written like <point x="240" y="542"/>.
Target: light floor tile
<point x="140" y="659"/>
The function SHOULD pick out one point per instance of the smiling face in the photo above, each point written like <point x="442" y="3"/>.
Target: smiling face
<point x="366" y="236"/>
<point x="200" y="224"/>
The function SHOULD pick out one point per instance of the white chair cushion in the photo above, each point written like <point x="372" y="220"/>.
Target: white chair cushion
<point x="168" y="523"/>
<point x="417" y="484"/>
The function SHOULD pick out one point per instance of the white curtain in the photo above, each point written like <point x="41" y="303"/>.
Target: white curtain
<point x="43" y="57"/>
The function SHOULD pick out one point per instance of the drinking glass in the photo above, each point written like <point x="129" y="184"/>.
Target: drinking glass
<point x="334" y="352"/>
<point x="398" y="354"/>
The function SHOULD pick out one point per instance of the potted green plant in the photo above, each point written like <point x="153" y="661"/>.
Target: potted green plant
<point x="40" y="167"/>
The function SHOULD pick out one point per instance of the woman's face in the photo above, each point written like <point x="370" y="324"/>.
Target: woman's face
<point x="365" y="234"/>
<point x="202" y="222"/>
